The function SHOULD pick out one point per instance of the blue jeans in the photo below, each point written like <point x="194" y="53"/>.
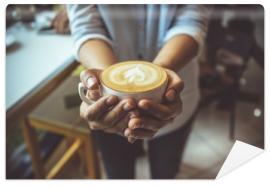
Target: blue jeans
<point x="165" y="153"/>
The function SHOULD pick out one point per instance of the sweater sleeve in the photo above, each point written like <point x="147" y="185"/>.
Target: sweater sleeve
<point x="86" y="23"/>
<point x="191" y="20"/>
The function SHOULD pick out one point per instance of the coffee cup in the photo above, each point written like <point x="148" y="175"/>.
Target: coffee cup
<point x="131" y="79"/>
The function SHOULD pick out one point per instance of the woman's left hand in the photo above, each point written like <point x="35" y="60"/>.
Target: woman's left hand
<point x="157" y="115"/>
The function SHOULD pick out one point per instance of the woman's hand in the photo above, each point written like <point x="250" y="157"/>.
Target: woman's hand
<point x="111" y="117"/>
<point x="107" y="113"/>
<point x="157" y="115"/>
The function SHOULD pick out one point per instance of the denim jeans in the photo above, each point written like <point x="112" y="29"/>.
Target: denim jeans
<point x="164" y="153"/>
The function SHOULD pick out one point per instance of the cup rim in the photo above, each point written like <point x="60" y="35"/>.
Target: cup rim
<point x="125" y="92"/>
<point x="135" y="93"/>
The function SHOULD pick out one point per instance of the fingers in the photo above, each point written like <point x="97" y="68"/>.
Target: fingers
<point x="119" y="111"/>
<point x="94" y="95"/>
<point x="90" y="78"/>
<point x="111" y="121"/>
<point x="94" y="111"/>
<point x="175" y="85"/>
<point x="115" y="129"/>
<point x="139" y="133"/>
<point x="121" y="125"/>
<point x="157" y="110"/>
<point x="134" y="114"/>
<point x="170" y="94"/>
<point x="148" y="123"/>
<point x="135" y="123"/>
<point x="83" y="109"/>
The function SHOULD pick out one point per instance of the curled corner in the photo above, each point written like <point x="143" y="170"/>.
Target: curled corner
<point x="240" y="154"/>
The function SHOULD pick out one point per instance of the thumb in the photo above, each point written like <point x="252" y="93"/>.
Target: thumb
<point x="90" y="78"/>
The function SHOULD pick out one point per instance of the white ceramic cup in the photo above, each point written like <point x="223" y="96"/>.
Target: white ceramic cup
<point x="154" y="94"/>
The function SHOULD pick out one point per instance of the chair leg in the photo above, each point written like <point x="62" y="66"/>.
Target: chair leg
<point x="91" y="158"/>
<point x="64" y="159"/>
<point x="31" y="142"/>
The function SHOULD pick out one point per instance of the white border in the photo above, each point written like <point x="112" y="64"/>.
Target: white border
<point x="254" y="173"/>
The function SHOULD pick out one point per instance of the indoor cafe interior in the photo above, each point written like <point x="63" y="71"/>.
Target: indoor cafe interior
<point x="47" y="139"/>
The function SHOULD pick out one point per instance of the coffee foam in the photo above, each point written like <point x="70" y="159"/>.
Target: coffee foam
<point x="133" y="76"/>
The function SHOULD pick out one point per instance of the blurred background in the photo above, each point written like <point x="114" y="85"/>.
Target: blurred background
<point x="45" y="137"/>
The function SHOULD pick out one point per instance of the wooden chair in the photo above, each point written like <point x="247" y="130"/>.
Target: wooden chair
<point x="53" y="115"/>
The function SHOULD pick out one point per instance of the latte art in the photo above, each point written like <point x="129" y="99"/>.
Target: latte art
<point x="133" y="76"/>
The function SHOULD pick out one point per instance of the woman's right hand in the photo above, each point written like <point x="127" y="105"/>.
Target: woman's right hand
<point x="107" y="113"/>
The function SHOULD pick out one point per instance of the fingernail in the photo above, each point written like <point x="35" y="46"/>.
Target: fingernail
<point x="90" y="82"/>
<point x="94" y="95"/>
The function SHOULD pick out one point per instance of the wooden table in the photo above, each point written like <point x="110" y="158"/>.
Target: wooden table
<point x="35" y="69"/>
<point x="53" y="115"/>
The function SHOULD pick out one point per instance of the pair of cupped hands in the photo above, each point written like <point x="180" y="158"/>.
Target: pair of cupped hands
<point x="129" y="118"/>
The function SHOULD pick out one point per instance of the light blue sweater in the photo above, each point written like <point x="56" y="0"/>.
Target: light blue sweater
<point x="138" y="32"/>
